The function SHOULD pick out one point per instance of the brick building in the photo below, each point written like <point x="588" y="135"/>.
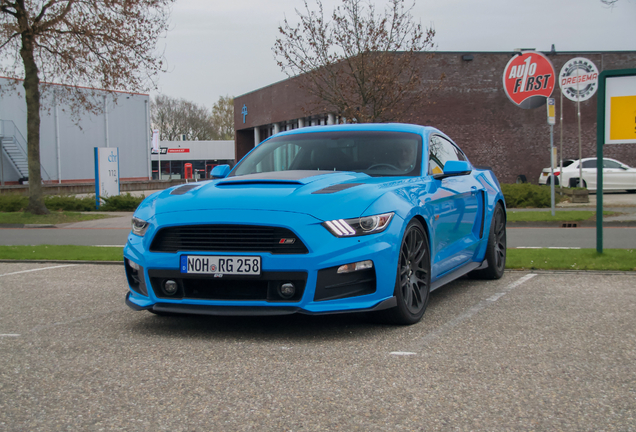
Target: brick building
<point x="470" y="106"/>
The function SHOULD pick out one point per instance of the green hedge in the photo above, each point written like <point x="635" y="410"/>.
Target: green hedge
<point x="126" y="202"/>
<point x="521" y="195"/>
<point x="517" y="196"/>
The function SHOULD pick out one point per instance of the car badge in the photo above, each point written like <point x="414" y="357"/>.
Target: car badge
<point x="287" y="241"/>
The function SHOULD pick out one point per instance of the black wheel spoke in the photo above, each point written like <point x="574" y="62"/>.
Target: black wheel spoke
<point x="417" y="296"/>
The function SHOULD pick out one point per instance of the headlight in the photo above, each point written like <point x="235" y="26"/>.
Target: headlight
<point x="139" y="226"/>
<point x="359" y="226"/>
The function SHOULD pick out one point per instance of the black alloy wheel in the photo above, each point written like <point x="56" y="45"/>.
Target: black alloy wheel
<point x="412" y="285"/>
<point x="496" y="248"/>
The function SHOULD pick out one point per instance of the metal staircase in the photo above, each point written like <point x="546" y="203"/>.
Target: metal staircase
<point x="14" y="148"/>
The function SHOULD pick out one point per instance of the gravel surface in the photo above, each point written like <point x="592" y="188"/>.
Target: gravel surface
<point x="546" y="351"/>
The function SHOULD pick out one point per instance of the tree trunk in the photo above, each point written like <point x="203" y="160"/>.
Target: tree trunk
<point x="32" y="90"/>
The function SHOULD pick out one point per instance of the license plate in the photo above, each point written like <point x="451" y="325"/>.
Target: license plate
<point x="222" y="265"/>
<point x="545" y="174"/>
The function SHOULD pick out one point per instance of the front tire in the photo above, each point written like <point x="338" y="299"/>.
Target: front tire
<point x="496" y="249"/>
<point x="413" y="281"/>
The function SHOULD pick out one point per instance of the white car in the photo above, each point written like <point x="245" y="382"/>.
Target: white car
<point x="616" y="175"/>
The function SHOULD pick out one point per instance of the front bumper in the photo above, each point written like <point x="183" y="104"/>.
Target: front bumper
<point x="245" y="310"/>
<point x="322" y="290"/>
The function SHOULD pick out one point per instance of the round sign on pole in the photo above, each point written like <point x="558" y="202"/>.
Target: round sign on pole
<point x="578" y="79"/>
<point x="528" y="79"/>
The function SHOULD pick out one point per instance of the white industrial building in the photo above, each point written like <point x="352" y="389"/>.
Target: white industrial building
<point x="67" y="144"/>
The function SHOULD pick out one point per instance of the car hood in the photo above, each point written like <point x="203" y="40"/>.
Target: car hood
<point x="319" y="194"/>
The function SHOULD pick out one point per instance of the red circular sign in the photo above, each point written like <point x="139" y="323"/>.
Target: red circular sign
<point x="529" y="79"/>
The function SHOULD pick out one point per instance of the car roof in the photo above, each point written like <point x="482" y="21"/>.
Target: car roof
<point x="380" y="127"/>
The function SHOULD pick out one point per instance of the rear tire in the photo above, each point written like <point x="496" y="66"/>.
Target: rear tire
<point x="549" y="181"/>
<point x="575" y="182"/>
<point x="496" y="249"/>
<point x="413" y="280"/>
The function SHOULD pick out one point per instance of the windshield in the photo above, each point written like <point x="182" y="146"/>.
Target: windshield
<point x="370" y="152"/>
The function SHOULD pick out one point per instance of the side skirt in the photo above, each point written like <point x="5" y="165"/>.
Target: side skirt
<point x="455" y="274"/>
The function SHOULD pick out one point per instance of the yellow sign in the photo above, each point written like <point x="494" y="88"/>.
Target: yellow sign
<point x="551" y="115"/>
<point x="623" y="120"/>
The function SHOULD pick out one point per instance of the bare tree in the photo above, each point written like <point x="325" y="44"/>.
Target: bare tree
<point x="223" y="118"/>
<point x="108" y="44"/>
<point x="175" y="117"/>
<point x="360" y="64"/>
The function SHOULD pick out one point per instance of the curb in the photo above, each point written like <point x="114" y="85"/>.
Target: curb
<point x="63" y="262"/>
<point x="27" y="226"/>
<point x="570" y="224"/>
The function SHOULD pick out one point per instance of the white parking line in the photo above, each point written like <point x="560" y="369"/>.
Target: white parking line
<point x="37" y="269"/>
<point x="10" y="335"/>
<point x="403" y="353"/>
<point x="474" y="310"/>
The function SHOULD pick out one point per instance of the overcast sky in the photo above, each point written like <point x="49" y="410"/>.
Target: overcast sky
<point x="224" y="47"/>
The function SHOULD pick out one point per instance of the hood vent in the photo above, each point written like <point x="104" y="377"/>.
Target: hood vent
<point x="257" y="182"/>
<point x="336" y="188"/>
<point x="183" y="189"/>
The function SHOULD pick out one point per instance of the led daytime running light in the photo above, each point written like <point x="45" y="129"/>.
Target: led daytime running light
<point x="358" y="226"/>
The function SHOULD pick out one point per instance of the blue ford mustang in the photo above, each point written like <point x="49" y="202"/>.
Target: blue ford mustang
<point x="346" y="218"/>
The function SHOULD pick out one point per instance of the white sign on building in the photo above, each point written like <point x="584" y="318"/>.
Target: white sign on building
<point x="106" y="172"/>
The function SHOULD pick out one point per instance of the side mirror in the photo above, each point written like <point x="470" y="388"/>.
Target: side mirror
<point x="220" y="171"/>
<point x="454" y="168"/>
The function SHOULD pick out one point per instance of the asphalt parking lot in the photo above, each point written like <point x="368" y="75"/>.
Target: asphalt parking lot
<point x="532" y="351"/>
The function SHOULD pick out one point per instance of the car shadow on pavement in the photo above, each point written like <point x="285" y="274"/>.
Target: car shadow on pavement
<point x="296" y="326"/>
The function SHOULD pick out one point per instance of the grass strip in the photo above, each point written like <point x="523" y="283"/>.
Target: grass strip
<point x="528" y="259"/>
<point x="56" y="252"/>
<point x="559" y="216"/>
<point x="571" y="259"/>
<point x="52" y="218"/>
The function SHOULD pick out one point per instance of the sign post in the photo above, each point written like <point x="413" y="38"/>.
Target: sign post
<point x="551" y="121"/>
<point x="616" y="124"/>
<point x="578" y="80"/>
<point x="155" y="148"/>
<point x="106" y="173"/>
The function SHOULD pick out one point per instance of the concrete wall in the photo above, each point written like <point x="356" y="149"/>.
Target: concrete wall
<point x="471" y="107"/>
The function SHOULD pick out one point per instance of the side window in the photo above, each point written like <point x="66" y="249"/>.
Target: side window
<point x="611" y="164"/>
<point x="589" y="163"/>
<point x="441" y="151"/>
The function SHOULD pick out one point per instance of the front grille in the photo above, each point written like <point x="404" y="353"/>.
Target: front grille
<point x="227" y="238"/>
<point x="207" y="287"/>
